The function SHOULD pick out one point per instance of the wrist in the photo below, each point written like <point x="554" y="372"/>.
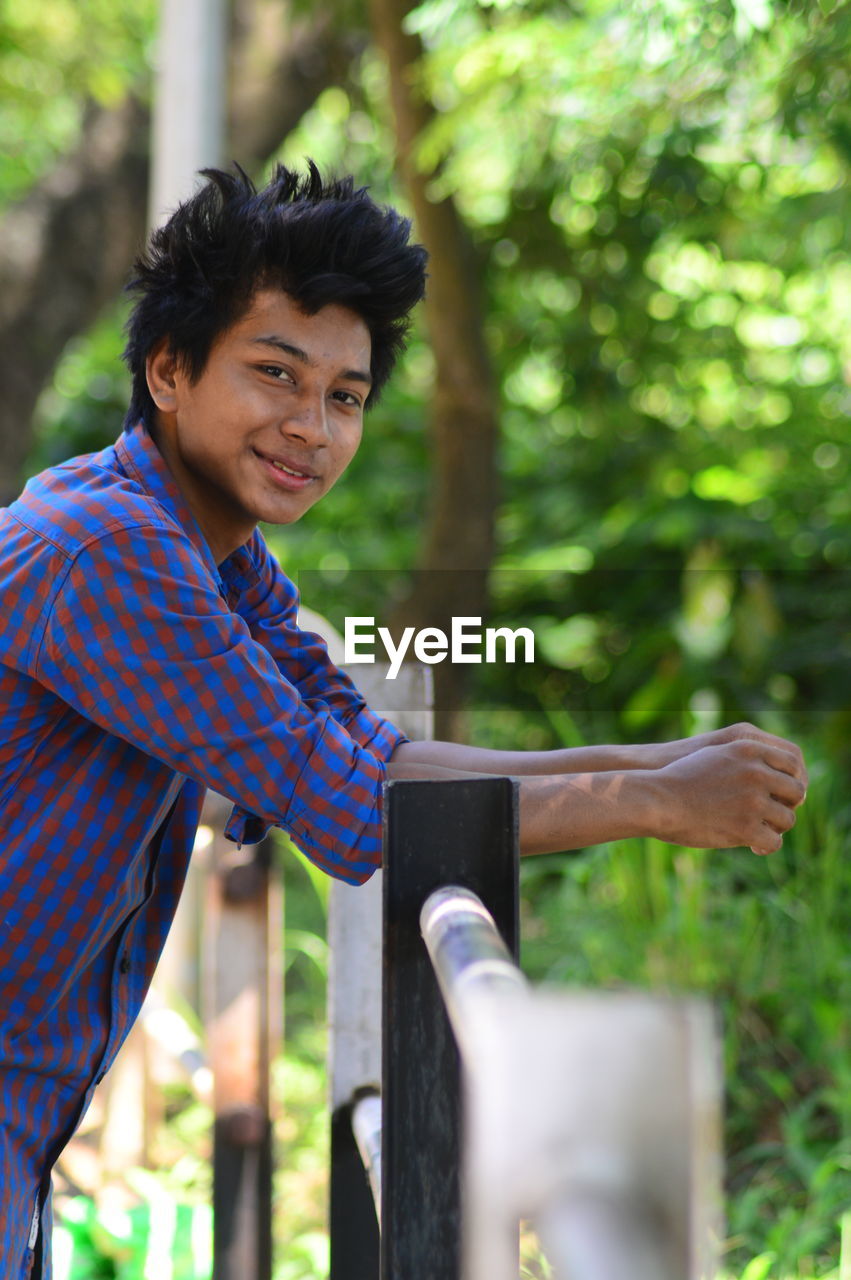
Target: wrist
<point x="651" y="806"/>
<point x="657" y="755"/>
<point x="631" y="802"/>
<point x="650" y="756"/>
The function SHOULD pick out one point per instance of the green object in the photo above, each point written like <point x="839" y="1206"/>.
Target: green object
<point x="157" y="1240"/>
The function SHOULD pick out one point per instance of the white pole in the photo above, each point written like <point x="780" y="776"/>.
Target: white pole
<point x="189" y="99"/>
<point x="187" y="134"/>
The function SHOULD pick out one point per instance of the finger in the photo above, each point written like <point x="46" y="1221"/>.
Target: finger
<point x="769" y="842"/>
<point x="786" y="761"/>
<point x="770" y="742"/>
<point x="748" y="731"/>
<point x="786" y="789"/>
<point x="780" y="817"/>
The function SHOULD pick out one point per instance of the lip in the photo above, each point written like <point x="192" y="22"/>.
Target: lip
<point x="284" y="479"/>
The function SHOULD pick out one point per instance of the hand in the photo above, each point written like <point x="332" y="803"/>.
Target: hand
<point x="660" y="754"/>
<point x="737" y="790"/>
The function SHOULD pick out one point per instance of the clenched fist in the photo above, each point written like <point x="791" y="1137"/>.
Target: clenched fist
<point x="736" y="786"/>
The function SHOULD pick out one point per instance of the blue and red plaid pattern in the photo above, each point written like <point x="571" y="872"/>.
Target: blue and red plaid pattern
<point x="134" y="673"/>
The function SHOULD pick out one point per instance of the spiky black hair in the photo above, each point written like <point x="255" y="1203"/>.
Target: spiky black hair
<point x="320" y="241"/>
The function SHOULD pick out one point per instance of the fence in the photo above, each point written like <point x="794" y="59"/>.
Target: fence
<point x="594" y="1114"/>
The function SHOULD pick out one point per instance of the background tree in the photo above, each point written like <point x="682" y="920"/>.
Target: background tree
<point x="458" y="537"/>
<point x="68" y="241"/>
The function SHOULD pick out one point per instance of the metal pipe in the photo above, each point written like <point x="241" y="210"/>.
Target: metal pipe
<point x="438" y="833"/>
<point x="578" y="1112"/>
<point x="592" y="1237"/>
<point x="366" y="1126"/>
<point x="472" y="963"/>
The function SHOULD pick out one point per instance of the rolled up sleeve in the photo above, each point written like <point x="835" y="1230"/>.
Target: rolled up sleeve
<point x="140" y="641"/>
<point x="269" y="604"/>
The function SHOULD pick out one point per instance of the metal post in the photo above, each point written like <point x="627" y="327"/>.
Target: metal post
<point x="596" y="1115"/>
<point x="243" y="921"/>
<point x="464" y="833"/>
<point x="189" y="102"/>
<point x="353" y="1224"/>
<point x="354" y="996"/>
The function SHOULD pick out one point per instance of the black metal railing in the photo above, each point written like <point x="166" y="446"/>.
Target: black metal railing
<point x="594" y="1114"/>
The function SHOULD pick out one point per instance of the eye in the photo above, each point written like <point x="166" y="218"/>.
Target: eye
<point x="276" y="371"/>
<point x="349" y="399"/>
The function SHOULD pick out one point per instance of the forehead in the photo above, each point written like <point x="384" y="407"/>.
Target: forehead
<point x="333" y="329"/>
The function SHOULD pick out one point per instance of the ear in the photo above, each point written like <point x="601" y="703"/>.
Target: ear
<point x="161" y="373"/>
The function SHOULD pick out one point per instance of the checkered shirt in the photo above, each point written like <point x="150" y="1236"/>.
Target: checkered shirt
<point x="135" y="673"/>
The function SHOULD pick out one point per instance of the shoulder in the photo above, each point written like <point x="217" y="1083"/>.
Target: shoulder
<point x="81" y="500"/>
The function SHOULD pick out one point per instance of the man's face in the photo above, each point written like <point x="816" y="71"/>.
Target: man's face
<point x="273" y="421"/>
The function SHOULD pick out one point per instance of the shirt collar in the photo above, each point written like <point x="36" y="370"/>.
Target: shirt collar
<point x="140" y="457"/>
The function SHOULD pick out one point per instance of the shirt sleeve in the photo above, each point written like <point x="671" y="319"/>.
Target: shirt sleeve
<point x="140" y="641"/>
<point x="269" y="604"/>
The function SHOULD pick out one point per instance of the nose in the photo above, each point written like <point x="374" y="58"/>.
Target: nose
<point x="307" y="420"/>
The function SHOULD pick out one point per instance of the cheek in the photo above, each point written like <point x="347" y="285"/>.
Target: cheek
<point x="352" y="445"/>
<point x="224" y="403"/>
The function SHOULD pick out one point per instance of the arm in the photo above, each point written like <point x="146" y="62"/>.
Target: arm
<point x="737" y="786"/>
<point x="139" y="641"/>
<point x="569" y="798"/>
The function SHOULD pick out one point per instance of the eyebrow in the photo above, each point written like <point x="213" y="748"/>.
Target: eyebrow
<point x="272" y="340"/>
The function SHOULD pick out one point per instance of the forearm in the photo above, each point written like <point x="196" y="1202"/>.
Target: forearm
<point x="741" y="792"/>
<point x="581" y="760"/>
<point x="573" y="760"/>
<point x="557" y="810"/>
<point x="571" y="811"/>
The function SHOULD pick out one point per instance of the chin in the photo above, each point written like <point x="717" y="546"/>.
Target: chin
<point x="274" y="514"/>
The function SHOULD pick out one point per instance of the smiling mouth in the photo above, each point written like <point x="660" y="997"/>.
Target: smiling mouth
<point x="279" y="466"/>
<point x="283" y="469"/>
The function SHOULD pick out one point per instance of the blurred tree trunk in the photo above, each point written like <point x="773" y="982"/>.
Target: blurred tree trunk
<point x="459" y="538"/>
<point x="64" y="251"/>
<point x="66" y="247"/>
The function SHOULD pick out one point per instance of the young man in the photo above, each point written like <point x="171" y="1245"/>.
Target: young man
<point x="149" y="649"/>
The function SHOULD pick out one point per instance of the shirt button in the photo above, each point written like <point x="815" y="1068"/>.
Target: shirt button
<point x="100" y="1077"/>
<point x="124" y="964"/>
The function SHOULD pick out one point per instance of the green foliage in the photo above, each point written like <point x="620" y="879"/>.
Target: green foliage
<point x="55" y="57"/>
<point x="83" y="408"/>
<point x="158" y="1237"/>
<point x="664" y="224"/>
